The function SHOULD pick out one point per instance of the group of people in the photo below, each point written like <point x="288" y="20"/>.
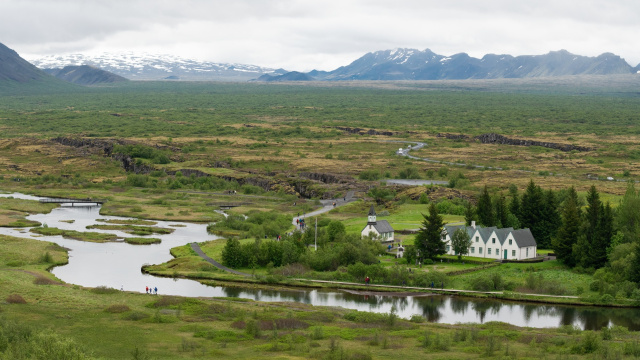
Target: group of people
<point x="152" y="290"/>
<point x="301" y="223"/>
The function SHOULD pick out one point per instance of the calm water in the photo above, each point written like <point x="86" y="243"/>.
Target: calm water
<point x="117" y="265"/>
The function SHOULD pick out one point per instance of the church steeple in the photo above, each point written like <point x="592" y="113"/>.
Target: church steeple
<point x="372" y="216"/>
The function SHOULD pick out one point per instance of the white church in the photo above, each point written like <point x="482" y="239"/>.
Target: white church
<point x="378" y="229"/>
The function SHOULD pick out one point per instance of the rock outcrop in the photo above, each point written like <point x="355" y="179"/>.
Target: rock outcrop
<point x="492" y="138"/>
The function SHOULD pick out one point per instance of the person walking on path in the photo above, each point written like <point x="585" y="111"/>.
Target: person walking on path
<point x="155" y="290"/>
<point x="147" y="289"/>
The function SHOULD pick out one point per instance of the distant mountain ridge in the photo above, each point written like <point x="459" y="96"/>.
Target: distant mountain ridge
<point x="159" y="67"/>
<point x="412" y="64"/>
<point x="85" y="75"/>
<point x="15" y="68"/>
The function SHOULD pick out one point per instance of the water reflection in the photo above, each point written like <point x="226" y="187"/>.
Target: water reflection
<point x="117" y="264"/>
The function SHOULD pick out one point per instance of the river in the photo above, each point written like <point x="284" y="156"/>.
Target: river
<point x="117" y="265"/>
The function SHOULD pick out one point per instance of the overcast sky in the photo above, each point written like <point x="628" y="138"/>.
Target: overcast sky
<point x="321" y="34"/>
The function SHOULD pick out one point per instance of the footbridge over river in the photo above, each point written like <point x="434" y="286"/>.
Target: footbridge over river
<point x="72" y="201"/>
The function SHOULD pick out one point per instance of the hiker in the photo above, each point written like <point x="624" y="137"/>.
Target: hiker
<point x="432" y="284"/>
<point x="155" y="290"/>
<point x="147" y="289"/>
<point x="366" y="280"/>
<point x="442" y="285"/>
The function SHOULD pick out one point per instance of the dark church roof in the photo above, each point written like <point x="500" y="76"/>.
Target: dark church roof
<point x="382" y="226"/>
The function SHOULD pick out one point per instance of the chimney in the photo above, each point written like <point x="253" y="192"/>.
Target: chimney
<point x="473" y="224"/>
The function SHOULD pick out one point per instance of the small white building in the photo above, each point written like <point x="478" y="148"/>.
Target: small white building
<point x="494" y="243"/>
<point x="378" y="229"/>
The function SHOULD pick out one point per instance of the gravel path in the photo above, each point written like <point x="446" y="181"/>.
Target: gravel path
<point x="199" y="251"/>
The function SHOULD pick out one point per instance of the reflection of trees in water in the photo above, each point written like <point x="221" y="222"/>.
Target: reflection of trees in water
<point x="593" y="319"/>
<point x="376" y="301"/>
<point x="459" y="306"/>
<point x="567" y="315"/>
<point x="431" y="307"/>
<point x="629" y="318"/>
<point x="269" y="295"/>
<point x="481" y="307"/>
<point x="597" y="318"/>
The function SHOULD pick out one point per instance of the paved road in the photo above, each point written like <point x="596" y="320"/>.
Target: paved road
<point x="199" y="251"/>
<point x="327" y="206"/>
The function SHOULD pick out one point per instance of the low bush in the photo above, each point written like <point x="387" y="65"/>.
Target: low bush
<point x="104" y="290"/>
<point x="15" y="299"/>
<point x="117" y="308"/>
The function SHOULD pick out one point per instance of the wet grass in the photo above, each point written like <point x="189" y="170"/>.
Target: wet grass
<point x="142" y="241"/>
<point x="75" y="235"/>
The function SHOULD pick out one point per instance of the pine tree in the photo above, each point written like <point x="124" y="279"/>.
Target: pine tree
<point x="502" y="212"/>
<point x="569" y="230"/>
<point x="531" y="212"/>
<point x="550" y="220"/>
<point x="514" y="206"/>
<point x="602" y="240"/>
<point x="485" y="209"/>
<point x="469" y="214"/>
<point x="428" y="240"/>
<point x="591" y="232"/>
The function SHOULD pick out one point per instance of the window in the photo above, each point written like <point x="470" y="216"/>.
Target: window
<point x="510" y="241"/>
<point x="493" y="241"/>
<point x="473" y="250"/>
<point x="497" y="251"/>
<point x="489" y="251"/>
<point x="513" y="253"/>
<point x="477" y="238"/>
<point x="479" y="250"/>
<point x="527" y="252"/>
<point x="448" y="247"/>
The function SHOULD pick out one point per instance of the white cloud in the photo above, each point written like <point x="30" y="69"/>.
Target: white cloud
<point x="303" y="34"/>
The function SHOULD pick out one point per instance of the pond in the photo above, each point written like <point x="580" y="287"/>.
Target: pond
<point x="117" y="265"/>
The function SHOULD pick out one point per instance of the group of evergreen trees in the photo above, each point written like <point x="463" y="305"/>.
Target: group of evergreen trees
<point x="536" y="209"/>
<point x="585" y="233"/>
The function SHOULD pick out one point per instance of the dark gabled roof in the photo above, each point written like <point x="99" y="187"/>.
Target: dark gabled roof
<point x="502" y="234"/>
<point x="372" y="211"/>
<point x="451" y="229"/>
<point x="383" y="226"/>
<point x="524" y="238"/>
<point x="485" y="233"/>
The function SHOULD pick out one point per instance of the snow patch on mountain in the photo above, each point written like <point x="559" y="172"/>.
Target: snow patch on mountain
<point x="156" y="67"/>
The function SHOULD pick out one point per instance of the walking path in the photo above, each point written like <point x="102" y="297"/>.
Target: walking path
<point x="199" y="251"/>
<point x="327" y="206"/>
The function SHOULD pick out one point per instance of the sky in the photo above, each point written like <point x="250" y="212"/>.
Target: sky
<point x="312" y="34"/>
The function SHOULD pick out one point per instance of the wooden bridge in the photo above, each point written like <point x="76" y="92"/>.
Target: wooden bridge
<point x="228" y="205"/>
<point x="72" y="201"/>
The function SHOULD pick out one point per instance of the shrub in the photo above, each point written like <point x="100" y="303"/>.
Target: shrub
<point x="41" y="280"/>
<point x="104" y="290"/>
<point x="117" y="309"/>
<point x="15" y="299"/>
<point x="135" y="316"/>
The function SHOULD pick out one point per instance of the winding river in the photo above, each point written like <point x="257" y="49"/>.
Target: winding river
<point x="117" y="265"/>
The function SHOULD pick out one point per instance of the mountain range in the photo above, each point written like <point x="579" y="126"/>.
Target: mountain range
<point x="398" y="64"/>
<point x="158" y="67"/>
<point x="412" y="64"/>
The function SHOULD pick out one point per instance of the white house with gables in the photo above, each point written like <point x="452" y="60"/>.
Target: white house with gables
<point x="494" y="243"/>
<point x="378" y="229"/>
